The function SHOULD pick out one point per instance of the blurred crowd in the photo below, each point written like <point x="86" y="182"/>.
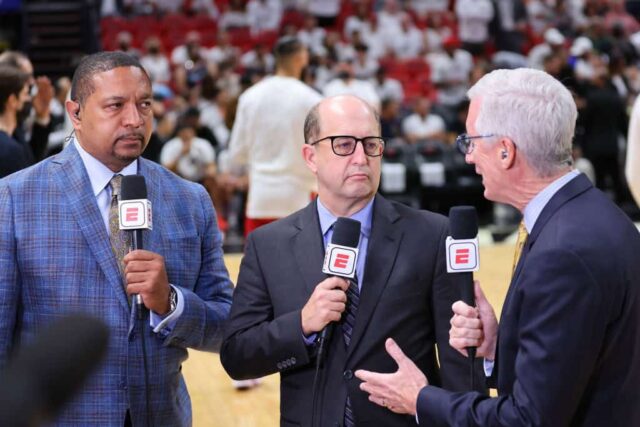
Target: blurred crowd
<point x="413" y="60"/>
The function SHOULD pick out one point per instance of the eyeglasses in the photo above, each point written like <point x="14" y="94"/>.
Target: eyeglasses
<point x="345" y="145"/>
<point x="465" y="144"/>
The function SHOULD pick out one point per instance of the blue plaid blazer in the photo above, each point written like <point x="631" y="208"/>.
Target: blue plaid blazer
<point x="55" y="258"/>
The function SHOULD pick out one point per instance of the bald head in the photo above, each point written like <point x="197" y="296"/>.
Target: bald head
<point x="333" y="108"/>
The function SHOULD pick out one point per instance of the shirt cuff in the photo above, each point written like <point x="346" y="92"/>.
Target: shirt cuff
<point x="164" y="325"/>
<point x="488" y="367"/>
<point x="310" y="339"/>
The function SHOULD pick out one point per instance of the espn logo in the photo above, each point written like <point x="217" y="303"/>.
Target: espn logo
<point x="340" y="261"/>
<point x="462" y="255"/>
<point x="135" y="214"/>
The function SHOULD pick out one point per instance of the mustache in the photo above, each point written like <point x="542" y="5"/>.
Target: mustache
<point x="131" y="135"/>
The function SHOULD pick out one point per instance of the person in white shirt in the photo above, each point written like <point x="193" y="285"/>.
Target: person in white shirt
<point x="326" y="11"/>
<point x="312" y="35"/>
<point x="422" y="125"/>
<point x="264" y="15"/>
<point x="409" y="43"/>
<point x="155" y="62"/>
<point x="474" y="17"/>
<point x="553" y="42"/>
<point x="450" y="72"/>
<point x="360" y="21"/>
<point x="267" y="138"/>
<point x="187" y="155"/>
<point x="364" y="67"/>
<point x="346" y="84"/>
<point x="386" y="87"/>
<point x="223" y="51"/>
<point x="390" y="20"/>
<point x="258" y="58"/>
<point x="181" y="53"/>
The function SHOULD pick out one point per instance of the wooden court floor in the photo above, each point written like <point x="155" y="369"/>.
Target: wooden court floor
<point x="215" y="401"/>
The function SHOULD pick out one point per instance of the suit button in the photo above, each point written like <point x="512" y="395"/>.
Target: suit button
<point x="347" y="375"/>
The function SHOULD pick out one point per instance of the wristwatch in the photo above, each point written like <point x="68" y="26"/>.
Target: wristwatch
<point x="173" y="300"/>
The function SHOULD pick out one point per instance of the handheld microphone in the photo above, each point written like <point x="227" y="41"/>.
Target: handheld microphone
<point x="46" y="373"/>
<point x="462" y="252"/>
<point x="340" y="259"/>
<point x="134" y="212"/>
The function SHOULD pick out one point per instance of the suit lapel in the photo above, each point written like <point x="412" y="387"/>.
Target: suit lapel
<point x="73" y="182"/>
<point x="573" y="188"/>
<point x="308" y="247"/>
<point x="384" y="243"/>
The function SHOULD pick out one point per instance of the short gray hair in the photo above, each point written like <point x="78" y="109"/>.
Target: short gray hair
<point x="534" y="110"/>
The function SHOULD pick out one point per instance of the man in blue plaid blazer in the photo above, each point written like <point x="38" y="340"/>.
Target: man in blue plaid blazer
<point x="56" y="256"/>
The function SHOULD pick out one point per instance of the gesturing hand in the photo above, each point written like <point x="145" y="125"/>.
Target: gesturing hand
<point x="397" y="391"/>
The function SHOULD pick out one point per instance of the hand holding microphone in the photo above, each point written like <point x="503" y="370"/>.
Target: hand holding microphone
<point x="326" y="304"/>
<point x="145" y="271"/>
<point x="328" y="301"/>
<point x="146" y="277"/>
<point x="474" y="327"/>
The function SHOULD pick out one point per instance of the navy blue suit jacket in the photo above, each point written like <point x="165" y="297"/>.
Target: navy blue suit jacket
<point x="568" y="349"/>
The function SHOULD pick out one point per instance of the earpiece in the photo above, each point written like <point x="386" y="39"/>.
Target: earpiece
<point x="77" y="114"/>
<point x="504" y="154"/>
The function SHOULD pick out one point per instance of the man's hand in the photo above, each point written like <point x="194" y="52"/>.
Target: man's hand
<point x="42" y="101"/>
<point x="326" y="304"/>
<point x="397" y="391"/>
<point x="146" y="276"/>
<point x="474" y="327"/>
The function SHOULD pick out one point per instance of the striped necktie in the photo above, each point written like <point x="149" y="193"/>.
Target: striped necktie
<point x="522" y="239"/>
<point x="120" y="239"/>
<point x="348" y="322"/>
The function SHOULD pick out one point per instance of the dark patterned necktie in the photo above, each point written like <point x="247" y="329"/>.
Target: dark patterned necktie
<point x="120" y="239"/>
<point x="348" y="322"/>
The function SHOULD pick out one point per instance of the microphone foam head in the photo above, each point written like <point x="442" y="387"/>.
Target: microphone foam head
<point x="463" y="222"/>
<point x="47" y="372"/>
<point x="133" y="187"/>
<point x="346" y="232"/>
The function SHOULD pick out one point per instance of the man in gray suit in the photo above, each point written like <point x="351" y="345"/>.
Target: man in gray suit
<point x="283" y="300"/>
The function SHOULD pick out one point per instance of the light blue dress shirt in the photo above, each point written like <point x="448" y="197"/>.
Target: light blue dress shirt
<point x="364" y="217"/>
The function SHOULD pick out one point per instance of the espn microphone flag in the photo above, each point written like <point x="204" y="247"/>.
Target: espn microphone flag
<point x="462" y="245"/>
<point x="342" y="253"/>
<point x="134" y="209"/>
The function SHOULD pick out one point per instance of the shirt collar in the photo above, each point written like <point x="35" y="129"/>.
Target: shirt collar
<point x="534" y="208"/>
<point x="99" y="174"/>
<point x="364" y="216"/>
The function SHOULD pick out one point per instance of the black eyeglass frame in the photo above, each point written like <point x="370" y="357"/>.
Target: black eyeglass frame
<point x="332" y="138"/>
<point x="464" y="142"/>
